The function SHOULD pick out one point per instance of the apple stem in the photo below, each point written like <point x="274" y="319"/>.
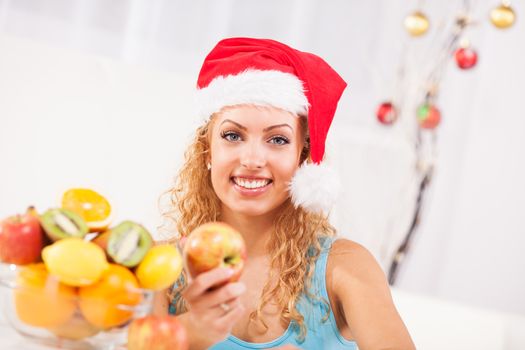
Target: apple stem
<point x="31" y="210"/>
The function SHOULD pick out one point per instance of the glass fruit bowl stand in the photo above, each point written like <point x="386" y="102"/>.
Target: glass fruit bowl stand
<point x="51" y="313"/>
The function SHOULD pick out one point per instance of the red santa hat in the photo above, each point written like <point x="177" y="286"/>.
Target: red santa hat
<point x="269" y="73"/>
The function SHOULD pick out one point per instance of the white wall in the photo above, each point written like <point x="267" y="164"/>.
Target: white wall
<point x="70" y="120"/>
<point x="97" y="93"/>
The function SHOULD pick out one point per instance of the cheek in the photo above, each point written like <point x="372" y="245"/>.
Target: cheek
<point x="223" y="163"/>
<point x="222" y="157"/>
<point x="285" y="166"/>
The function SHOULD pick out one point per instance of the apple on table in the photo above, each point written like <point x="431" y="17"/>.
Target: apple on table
<point x="157" y="333"/>
<point x="21" y="238"/>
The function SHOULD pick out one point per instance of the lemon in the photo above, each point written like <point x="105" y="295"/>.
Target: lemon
<point x="75" y="262"/>
<point x="160" y="268"/>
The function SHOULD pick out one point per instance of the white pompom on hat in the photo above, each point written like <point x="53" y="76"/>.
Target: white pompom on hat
<point x="269" y="73"/>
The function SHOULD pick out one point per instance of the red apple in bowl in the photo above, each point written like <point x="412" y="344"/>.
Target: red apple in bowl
<point x="213" y="245"/>
<point x="21" y="238"/>
<point x="157" y="333"/>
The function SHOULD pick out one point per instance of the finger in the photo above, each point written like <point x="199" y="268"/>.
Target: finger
<point x="230" y="318"/>
<point x="223" y="325"/>
<point x="226" y="307"/>
<point x="205" y="280"/>
<point x="218" y="296"/>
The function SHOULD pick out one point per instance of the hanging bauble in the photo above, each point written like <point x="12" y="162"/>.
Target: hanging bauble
<point x="416" y="23"/>
<point x="503" y="16"/>
<point x="466" y="57"/>
<point x="386" y="113"/>
<point x="428" y="116"/>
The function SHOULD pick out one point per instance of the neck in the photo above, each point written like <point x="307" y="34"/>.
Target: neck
<point x="256" y="230"/>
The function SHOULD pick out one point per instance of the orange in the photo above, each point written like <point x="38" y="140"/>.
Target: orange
<point x="41" y="300"/>
<point x="90" y="205"/>
<point x="109" y="302"/>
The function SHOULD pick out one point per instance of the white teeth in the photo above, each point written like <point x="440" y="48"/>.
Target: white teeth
<point x="250" y="183"/>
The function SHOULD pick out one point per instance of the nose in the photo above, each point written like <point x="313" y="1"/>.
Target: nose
<point x="253" y="156"/>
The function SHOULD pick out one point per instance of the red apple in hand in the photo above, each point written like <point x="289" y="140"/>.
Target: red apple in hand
<point x="157" y="333"/>
<point x="212" y="245"/>
<point x="21" y="238"/>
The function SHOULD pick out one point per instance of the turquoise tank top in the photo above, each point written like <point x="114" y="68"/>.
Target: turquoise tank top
<point x="319" y="335"/>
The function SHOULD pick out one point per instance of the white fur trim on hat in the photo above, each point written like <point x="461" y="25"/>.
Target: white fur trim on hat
<point x="315" y="187"/>
<point x="258" y="87"/>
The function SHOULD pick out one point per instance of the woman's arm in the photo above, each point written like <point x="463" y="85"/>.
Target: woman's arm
<point x="362" y="297"/>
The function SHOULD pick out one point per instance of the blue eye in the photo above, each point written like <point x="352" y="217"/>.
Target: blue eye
<point x="231" y="136"/>
<point x="279" y="140"/>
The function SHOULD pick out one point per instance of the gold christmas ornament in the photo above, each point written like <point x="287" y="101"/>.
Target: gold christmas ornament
<point x="417" y="23"/>
<point x="503" y="16"/>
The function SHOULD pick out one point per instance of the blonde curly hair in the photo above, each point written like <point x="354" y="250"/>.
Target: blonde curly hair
<point x="294" y="247"/>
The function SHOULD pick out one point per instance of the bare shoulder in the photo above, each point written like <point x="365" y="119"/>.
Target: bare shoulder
<point x="346" y="247"/>
<point x="350" y="265"/>
<point x="353" y="258"/>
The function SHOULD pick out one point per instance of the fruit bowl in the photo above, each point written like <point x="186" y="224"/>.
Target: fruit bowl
<point x="46" y="311"/>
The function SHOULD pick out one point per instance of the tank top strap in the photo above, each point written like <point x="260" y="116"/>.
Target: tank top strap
<point x="319" y="277"/>
<point x="314" y="305"/>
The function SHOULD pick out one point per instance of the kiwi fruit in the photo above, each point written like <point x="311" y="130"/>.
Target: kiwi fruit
<point x="63" y="223"/>
<point x="128" y="243"/>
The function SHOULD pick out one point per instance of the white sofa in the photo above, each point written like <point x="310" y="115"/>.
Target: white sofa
<point x="437" y="325"/>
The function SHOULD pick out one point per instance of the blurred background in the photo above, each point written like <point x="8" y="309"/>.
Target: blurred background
<point x="98" y="94"/>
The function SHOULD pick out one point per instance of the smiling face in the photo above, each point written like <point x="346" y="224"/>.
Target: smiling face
<point x="255" y="152"/>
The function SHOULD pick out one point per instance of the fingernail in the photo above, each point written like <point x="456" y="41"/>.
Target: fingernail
<point x="229" y="272"/>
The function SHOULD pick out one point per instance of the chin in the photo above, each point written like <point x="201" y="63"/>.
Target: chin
<point x="249" y="210"/>
<point x="253" y="209"/>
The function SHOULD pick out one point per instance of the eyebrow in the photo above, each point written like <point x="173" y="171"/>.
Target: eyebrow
<point x="235" y="123"/>
<point x="265" y="129"/>
<point x="277" y="126"/>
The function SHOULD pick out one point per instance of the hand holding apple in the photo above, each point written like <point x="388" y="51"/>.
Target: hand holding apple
<point x="157" y="333"/>
<point x="214" y="305"/>
<point x="21" y="238"/>
<point x="214" y="256"/>
<point x="213" y="245"/>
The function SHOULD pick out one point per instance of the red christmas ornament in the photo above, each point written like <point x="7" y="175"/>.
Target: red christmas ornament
<point x="466" y="57"/>
<point x="428" y="116"/>
<point x="386" y="113"/>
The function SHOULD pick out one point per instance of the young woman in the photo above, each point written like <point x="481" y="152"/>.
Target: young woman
<point x="257" y="164"/>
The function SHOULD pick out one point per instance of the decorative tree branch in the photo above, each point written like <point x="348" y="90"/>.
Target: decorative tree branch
<point x="425" y="171"/>
<point x="404" y="247"/>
